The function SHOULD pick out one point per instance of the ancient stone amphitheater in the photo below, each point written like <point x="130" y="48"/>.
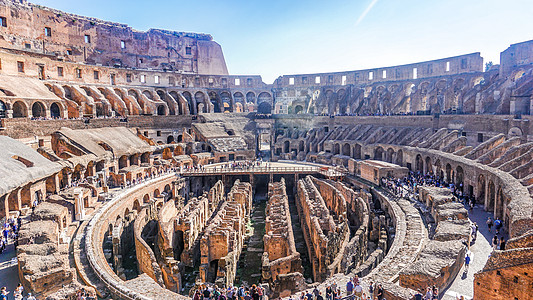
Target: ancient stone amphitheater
<point x="132" y="160"/>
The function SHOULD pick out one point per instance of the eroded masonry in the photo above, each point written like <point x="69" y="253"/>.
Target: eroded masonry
<point x="141" y="169"/>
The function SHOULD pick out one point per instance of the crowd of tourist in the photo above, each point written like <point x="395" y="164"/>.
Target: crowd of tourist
<point x="10" y="232"/>
<point x="407" y="188"/>
<point x="208" y="292"/>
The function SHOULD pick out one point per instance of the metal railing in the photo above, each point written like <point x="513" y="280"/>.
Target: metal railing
<point x="261" y="170"/>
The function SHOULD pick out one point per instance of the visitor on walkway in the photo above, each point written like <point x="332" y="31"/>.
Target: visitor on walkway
<point x="502" y="243"/>
<point x="467" y="261"/>
<point x="497" y="225"/>
<point x="495" y="242"/>
<point x="379" y="292"/>
<point x="349" y="288"/>
<point x="490" y="223"/>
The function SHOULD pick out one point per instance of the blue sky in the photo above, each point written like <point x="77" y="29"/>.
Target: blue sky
<point x="272" y="38"/>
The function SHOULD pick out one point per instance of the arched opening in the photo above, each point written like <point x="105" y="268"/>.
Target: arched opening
<point x="459" y="178"/>
<point x="200" y="102"/>
<point x="264" y="97"/>
<point x="134" y="160"/>
<point x="356" y="151"/>
<point x="378" y="153"/>
<point x="156" y="193"/>
<point x="399" y="157"/>
<point x="429" y="166"/>
<point x="190" y="104"/>
<point x="213" y="98"/>
<point x="390" y="155"/>
<point x="20" y="110"/>
<point x="250" y="98"/>
<point x="346" y="149"/>
<point x="55" y="112"/>
<point x="481" y="188"/>
<point x="438" y="169"/>
<point x="264" y="108"/>
<point x="226" y="101"/>
<point x="238" y="99"/>
<point x="136" y="205"/>
<point x="336" y="149"/>
<point x="146" y="198"/>
<point x="449" y="173"/>
<point x="145" y="157"/>
<point x="301" y="146"/>
<point x="3" y="109"/>
<point x="148" y="95"/>
<point x="298" y="109"/>
<point x="419" y="164"/>
<point x="161" y="111"/>
<point x="123" y="162"/>
<point x="175" y="97"/>
<point x="38" y="110"/>
<point x="170" y="139"/>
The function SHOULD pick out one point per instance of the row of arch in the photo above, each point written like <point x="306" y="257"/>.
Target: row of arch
<point x="34" y="109"/>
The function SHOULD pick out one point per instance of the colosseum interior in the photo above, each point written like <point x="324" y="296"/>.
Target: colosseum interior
<point x="137" y="172"/>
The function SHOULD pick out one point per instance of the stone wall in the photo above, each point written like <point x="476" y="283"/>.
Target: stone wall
<point x="280" y="256"/>
<point x="325" y="235"/>
<point x="146" y="259"/>
<point x="507" y="275"/>
<point x="99" y="225"/>
<point x="441" y="259"/>
<point x="83" y="39"/>
<point x="23" y="127"/>
<point x="222" y="240"/>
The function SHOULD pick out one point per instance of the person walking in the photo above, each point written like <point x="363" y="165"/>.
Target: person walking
<point x="467" y="261"/>
<point x="490" y="223"/>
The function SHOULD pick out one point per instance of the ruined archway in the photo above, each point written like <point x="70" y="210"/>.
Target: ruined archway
<point x="161" y="111"/>
<point x="20" y="110"/>
<point x="38" y="110"/>
<point x="459" y="177"/>
<point x="481" y="188"/>
<point x="390" y="155"/>
<point x="3" y="109"/>
<point x="55" y="111"/>
<point x="399" y="157"/>
<point x="356" y="153"/>
<point x="429" y="166"/>
<point x="336" y="149"/>
<point x="346" y="149"/>
<point x="378" y="153"/>
<point x="419" y="164"/>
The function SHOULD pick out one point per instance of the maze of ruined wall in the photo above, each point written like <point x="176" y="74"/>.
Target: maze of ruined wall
<point x="280" y="255"/>
<point x="223" y="238"/>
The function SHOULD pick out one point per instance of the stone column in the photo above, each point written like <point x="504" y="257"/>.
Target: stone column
<point x="79" y="208"/>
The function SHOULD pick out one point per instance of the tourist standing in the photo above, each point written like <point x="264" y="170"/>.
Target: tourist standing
<point x="495" y="242"/>
<point x="329" y="293"/>
<point x="502" y="243"/>
<point x="379" y="292"/>
<point x="349" y="287"/>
